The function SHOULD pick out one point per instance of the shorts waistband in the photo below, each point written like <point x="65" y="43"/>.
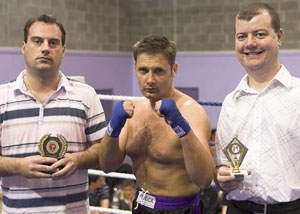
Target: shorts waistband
<point x="174" y="202"/>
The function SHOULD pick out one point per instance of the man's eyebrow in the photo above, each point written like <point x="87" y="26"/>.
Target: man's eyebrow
<point x="36" y="37"/>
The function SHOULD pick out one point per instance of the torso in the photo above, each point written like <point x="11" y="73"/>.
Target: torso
<point x="156" y="152"/>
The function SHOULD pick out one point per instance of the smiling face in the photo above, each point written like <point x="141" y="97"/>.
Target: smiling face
<point x="257" y="44"/>
<point x="129" y="192"/>
<point x="43" y="51"/>
<point x="154" y="75"/>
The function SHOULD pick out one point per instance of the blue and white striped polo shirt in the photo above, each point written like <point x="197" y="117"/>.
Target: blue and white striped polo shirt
<point x="73" y="111"/>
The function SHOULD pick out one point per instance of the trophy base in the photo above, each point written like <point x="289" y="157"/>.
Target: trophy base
<point x="240" y="175"/>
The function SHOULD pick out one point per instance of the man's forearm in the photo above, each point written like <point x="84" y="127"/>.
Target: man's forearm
<point x="8" y="166"/>
<point x="110" y="154"/>
<point x="198" y="160"/>
<point x="88" y="158"/>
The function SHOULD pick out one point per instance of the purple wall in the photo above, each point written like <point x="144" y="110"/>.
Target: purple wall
<point x="214" y="73"/>
<point x="101" y="70"/>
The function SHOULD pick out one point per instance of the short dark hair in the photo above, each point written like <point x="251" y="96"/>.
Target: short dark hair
<point x="254" y="9"/>
<point x="48" y="19"/>
<point x="93" y="178"/>
<point x="127" y="183"/>
<point x="155" y="44"/>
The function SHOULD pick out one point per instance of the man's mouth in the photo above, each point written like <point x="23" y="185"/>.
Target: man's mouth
<point x="253" y="53"/>
<point x="150" y="89"/>
<point x="43" y="58"/>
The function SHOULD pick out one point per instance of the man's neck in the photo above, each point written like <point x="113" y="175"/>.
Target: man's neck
<point x="41" y="83"/>
<point x="258" y="80"/>
<point x="41" y="87"/>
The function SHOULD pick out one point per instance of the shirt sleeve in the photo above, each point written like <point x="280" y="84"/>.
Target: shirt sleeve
<point x="96" y="123"/>
<point x="105" y="192"/>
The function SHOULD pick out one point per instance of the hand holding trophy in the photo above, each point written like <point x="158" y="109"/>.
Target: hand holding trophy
<point x="235" y="152"/>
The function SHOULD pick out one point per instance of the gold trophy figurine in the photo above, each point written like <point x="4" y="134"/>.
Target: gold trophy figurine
<point x="235" y="152"/>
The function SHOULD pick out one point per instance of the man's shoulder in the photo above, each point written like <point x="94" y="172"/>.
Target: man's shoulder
<point x="7" y="91"/>
<point x="80" y="85"/>
<point x="8" y="84"/>
<point x="81" y="89"/>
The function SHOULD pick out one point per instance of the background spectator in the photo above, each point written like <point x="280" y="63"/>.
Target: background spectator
<point x="123" y="198"/>
<point x="98" y="192"/>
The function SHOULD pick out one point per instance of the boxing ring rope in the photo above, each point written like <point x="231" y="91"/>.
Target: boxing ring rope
<point x="129" y="98"/>
<point x="112" y="174"/>
<point x="109" y="210"/>
<point x="124" y="175"/>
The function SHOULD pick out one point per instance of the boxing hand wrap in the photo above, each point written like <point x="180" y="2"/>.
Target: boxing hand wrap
<point x="178" y="123"/>
<point x="118" y="120"/>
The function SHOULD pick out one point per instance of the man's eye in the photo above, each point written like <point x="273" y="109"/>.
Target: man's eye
<point x="143" y="70"/>
<point x="240" y="37"/>
<point x="159" y="71"/>
<point x="37" y="41"/>
<point x="53" y="44"/>
<point x="260" y="35"/>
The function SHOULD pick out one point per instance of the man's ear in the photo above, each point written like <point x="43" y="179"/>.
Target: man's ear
<point x="23" y="47"/>
<point x="280" y="36"/>
<point x="174" y="69"/>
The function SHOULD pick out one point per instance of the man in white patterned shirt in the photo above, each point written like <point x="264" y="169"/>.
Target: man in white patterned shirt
<point x="263" y="113"/>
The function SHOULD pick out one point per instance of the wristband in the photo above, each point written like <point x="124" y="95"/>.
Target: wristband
<point x="117" y="121"/>
<point x="178" y="123"/>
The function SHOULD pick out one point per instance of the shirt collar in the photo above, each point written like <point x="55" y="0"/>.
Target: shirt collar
<point x="283" y="78"/>
<point x="20" y="85"/>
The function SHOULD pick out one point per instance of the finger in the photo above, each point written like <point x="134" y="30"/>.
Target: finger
<point x="129" y="108"/>
<point x="43" y="174"/>
<point x="42" y="171"/>
<point x="62" y="173"/>
<point x="48" y="160"/>
<point x="224" y="171"/>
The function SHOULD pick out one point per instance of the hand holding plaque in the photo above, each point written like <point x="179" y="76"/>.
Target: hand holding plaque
<point x="235" y="152"/>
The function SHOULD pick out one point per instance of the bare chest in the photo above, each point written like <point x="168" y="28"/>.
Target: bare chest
<point x="150" y="137"/>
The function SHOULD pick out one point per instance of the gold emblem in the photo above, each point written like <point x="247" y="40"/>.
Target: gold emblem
<point x="51" y="146"/>
<point x="235" y="152"/>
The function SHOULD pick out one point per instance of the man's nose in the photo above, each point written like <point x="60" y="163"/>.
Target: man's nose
<point x="45" y="47"/>
<point x="150" y="77"/>
<point x="251" y="41"/>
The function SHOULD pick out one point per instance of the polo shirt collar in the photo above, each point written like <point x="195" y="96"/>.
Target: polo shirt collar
<point x="20" y="85"/>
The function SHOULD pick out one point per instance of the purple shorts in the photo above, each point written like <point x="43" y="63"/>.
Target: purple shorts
<point x="153" y="204"/>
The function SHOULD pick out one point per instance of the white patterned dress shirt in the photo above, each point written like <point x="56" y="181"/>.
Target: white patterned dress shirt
<point x="268" y="123"/>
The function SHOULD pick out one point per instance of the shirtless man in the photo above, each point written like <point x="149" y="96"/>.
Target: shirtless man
<point x="165" y="134"/>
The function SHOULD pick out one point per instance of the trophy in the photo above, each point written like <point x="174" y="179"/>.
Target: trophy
<point x="235" y="152"/>
<point x="51" y="146"/>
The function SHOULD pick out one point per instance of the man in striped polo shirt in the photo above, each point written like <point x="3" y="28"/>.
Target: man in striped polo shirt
<point x="41" y="101"/>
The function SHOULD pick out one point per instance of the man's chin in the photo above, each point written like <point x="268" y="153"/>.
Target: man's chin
<point x="44" y="68"/>
<point x="152" y="97"/>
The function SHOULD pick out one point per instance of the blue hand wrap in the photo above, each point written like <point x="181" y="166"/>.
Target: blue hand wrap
<point x="117" y="121"/>
<point x="179" y="124"/>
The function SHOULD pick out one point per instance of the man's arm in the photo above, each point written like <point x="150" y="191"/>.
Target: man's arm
<point x="112" y="148"/>
<point x="111" y="155"/>
<point x="192" y="127"/>
<point x="105" y="204"/>
<point x="197" y="156"/>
